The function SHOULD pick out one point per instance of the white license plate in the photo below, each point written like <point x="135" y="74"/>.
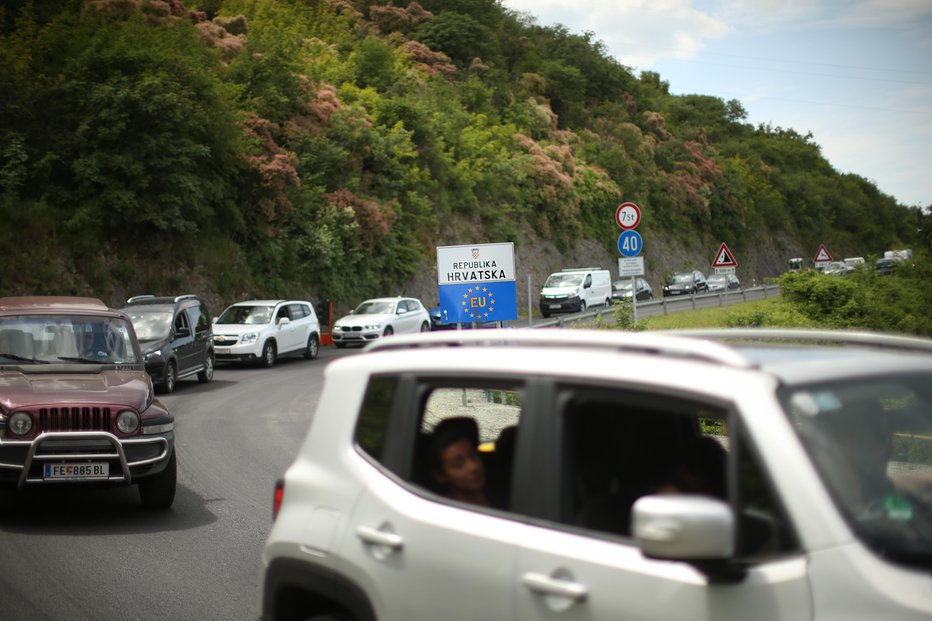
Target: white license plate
<point x="221" y="350"/>
<point x="77" y="471"/>
<point x="555" y="306"/>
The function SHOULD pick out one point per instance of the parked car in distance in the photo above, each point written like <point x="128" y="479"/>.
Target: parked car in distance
<point x="686" y="283"/>
<point x="695" y="476"/>
<point x="834" y="268"/>
<point x="575" y="289"/>
<point x="380" y="317"/>
<point x="622" y="289"/>
<point x="437" y="322"/>
<point x="77" y="406"/>
<point x="175" y="336"/>
<point x="723" y="282"/>
<point x="263" y="330"/>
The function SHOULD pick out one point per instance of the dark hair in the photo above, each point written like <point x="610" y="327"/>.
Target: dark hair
<point x="447" y="432"/>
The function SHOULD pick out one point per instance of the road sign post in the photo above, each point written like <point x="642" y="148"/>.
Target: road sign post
<point x="630" y="245"/>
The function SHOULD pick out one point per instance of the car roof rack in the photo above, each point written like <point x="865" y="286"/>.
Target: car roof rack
<point x="811" y="337"/>
<point x="618" y="341"/>
<point x="138" y="298"/>
<point x="186" y="296"/>
<point x="580" y="269"/>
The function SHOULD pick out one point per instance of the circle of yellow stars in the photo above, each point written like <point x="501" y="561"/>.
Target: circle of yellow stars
<point x="489" y="296"/>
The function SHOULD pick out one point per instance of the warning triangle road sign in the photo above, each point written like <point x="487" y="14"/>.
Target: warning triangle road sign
<point x="822" y="255"/>
<point x="724" y="258"/>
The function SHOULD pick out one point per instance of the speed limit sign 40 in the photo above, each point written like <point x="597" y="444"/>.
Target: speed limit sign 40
<point x="628" y="216"/>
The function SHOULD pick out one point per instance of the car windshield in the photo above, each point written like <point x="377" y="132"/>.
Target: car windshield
<point x="622" y="285"/>
<point x="248" y="315"/>
<point x="150" y="325"/>
<point x="564" y="280"/>
<point x="375" y="307"/>
<point x="46" y="339"/>
<point x="682" y="278"/>
<point x="871" y="442"/>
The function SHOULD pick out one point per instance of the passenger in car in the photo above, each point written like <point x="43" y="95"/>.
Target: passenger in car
<point x="454" y="461"/>
<point x="700" y="469"/>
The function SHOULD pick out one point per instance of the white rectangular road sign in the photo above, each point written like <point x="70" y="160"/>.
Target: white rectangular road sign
<point x="725" y="270"/>
<point x="475" y="263"/>
<point x="630" y="266"/>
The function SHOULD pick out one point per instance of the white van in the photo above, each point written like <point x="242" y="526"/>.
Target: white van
<point x="575" y="290"/>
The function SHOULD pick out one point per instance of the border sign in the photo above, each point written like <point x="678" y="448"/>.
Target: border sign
<point x="476" y="282"/>
<point x="628" y="216"/>
<point x="822" y="256"/>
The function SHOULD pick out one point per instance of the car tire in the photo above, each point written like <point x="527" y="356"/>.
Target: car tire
<point x="207" y="373"/>
<point x="267" y="359"/>
<point x="158" y="491"/>
<point x="170" y="378"/>
<point x="546" y="315"/>
<point x="425" y="327"/>
<point x="388" y="331"/>
<point x="329" y="617"/>
<point x="582" y="306"/>
<point x="313" y="347"/>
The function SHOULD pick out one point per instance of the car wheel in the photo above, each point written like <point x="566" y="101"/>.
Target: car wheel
<point x="158" y="491"/>
<point x="546" y="315"/>
<point x="388" y="331"/>
<point x="328" y="617"/>
<point x="313" y="347"/>
<point x="425" y="327"/>
<point x="582" y="306"/>
<point x="268" y="354"/>
<point x="207" y="374"/>
<point x="170" y="377"/>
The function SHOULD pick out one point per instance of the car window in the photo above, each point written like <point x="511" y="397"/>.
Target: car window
<point x="150" y="325"/>
<point x="246" y="315"/>
<point x="282" y="313"/>
<point x="181" y="323"/>
<point x="296" y="311"/>
<point x="483" y="418"/>
<point x="201" y="318"/>
<point x="622" y="446"/>
<point x="871" y="441"/>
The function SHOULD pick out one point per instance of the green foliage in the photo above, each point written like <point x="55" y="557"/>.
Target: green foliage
<point x="310" y="149"/>
<point x="865" y="299"/>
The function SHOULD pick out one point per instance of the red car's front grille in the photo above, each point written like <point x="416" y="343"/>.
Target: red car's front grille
<point x="82" y="418"/>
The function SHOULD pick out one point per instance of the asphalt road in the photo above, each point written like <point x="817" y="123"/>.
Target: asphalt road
<point x="78" y="554"/>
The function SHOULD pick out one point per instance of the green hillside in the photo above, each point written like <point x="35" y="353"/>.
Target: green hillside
<point x="324" y="148"/>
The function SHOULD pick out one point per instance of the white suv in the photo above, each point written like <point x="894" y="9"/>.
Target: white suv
<point x="570" y="474"/>
<point x="262" y="330"/>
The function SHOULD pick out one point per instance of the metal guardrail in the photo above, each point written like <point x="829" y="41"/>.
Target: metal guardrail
<point x="670" y="305"/>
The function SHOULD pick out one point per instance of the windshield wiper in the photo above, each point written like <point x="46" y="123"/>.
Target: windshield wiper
<point x="23" y="359"/>
<point x="84" y="360"/>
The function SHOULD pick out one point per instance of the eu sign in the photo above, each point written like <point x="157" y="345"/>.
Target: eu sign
<point x="630" y="243"/>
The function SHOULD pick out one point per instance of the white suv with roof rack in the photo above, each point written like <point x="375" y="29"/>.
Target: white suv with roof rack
<point x="544" y="474"/>
<point x="263" y="330"/>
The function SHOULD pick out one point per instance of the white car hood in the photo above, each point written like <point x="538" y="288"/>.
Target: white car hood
<point x="365" y="320"/>
<point x="239" y="328"/>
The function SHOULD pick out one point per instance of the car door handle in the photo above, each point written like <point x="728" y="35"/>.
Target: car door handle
<point x="379" y="537"/>
<point x="545" y="585"/>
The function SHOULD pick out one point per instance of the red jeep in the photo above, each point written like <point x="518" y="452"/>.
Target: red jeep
<point x="76" y="404"/>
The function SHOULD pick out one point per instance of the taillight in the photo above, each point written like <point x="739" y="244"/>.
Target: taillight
<point x="277" y="498"/>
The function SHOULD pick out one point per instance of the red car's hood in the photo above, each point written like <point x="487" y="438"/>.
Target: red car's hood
<point x="108" y="388"/>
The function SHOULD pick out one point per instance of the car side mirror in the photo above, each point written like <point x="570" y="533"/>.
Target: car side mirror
<point x="283" y="321"/>
<point x="182" y="332"/>
<point x="699" y="530"/>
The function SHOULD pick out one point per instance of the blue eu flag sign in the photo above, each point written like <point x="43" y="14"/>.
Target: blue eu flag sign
<point x="479" y="301"/>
